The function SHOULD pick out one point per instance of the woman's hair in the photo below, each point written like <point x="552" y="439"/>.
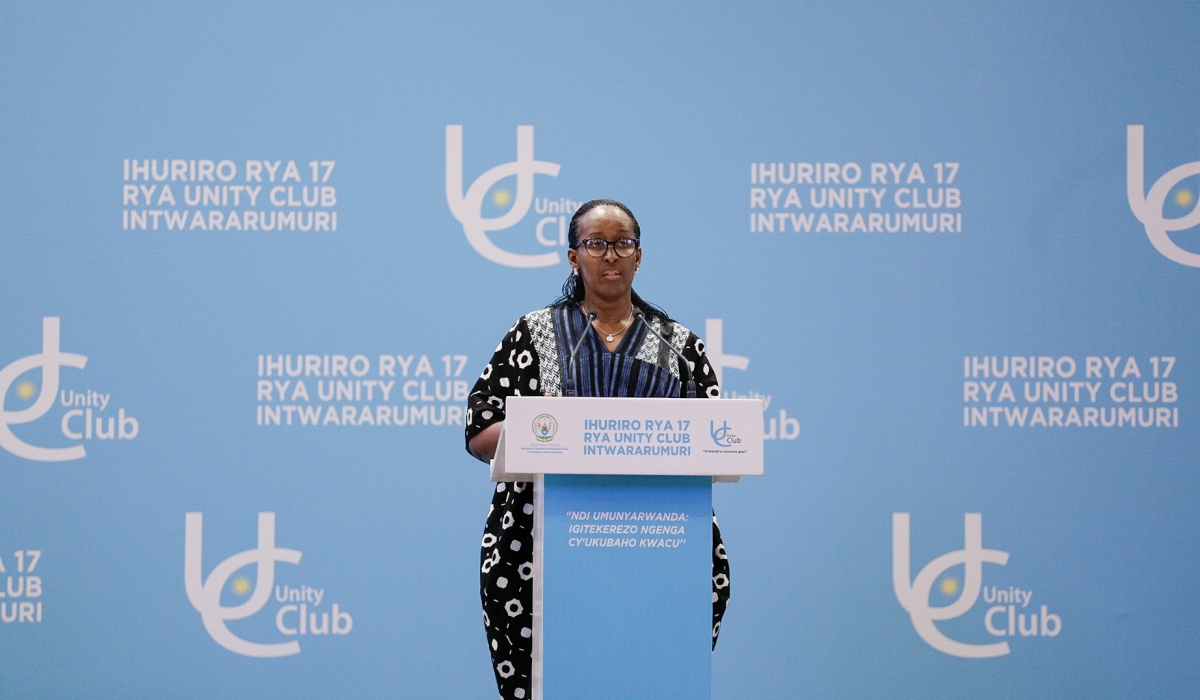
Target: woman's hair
<point x="572" y="289"/>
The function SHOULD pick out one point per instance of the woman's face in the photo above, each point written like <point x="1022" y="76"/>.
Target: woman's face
<point x="609" y="277"/>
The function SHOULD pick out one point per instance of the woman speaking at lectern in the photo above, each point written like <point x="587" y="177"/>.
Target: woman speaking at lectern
<point x="620" y="353"/>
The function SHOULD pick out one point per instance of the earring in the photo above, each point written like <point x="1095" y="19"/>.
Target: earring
<point x="575" y="271"/>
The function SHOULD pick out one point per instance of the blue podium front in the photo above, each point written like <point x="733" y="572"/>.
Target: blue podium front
<point x="627" y="587"/>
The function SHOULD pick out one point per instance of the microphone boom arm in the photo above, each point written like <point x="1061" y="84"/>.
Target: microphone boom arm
<point x="569" y="384"/>
<point x="683" y="363"/>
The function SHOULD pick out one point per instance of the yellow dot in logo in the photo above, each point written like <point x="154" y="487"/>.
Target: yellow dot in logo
<point x="501" y="197"/>
<point x="1183" y="197"/>
<point x="25" y="390"/>
<point x="949" y="586"/>
<point x="241" y="585"/>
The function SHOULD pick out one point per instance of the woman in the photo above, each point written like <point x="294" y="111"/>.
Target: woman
<point x="618" y="357"/>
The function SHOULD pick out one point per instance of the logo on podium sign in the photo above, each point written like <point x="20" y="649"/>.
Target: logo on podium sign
<point x="544" y="427"/>
<point x="723" y="436"/>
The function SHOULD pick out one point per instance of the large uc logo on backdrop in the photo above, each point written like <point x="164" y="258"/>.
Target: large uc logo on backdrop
<point x="82" y="422"/>
<point x="914" y="594"/>
<point x="780" y="428"/>
<point x="205" y="593"/>
<point x="468" y="207"/>
<point x="1148" y="207"/>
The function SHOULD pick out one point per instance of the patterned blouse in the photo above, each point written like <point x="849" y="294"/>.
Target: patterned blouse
<point x="533" y="359"/>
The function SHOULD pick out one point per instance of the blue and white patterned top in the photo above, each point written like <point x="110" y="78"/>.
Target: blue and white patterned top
<point x="534" y="358"/>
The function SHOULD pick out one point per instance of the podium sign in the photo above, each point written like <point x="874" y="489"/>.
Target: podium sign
<point x="622" y="535"/>
<point x="567" y="435"/>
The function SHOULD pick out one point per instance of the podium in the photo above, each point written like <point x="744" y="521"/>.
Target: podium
<point x="623" y="536"/>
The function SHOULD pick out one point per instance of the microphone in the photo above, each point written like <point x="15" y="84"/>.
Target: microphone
<point x="683" y="363"/>
<point x="570" y="383"/>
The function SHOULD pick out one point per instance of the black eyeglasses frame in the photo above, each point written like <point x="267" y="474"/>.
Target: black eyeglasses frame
<point x="584" y="244"/>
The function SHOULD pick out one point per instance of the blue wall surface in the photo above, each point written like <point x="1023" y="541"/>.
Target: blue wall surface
<point x="254" y="256"/>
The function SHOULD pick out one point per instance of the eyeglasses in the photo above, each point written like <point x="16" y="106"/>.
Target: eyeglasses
<point x="598" y="247"/>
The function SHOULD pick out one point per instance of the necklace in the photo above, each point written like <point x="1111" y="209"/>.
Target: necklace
<point x="610" y="337"/>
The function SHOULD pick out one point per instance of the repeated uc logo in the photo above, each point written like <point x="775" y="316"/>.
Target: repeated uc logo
<point x="781" y="428"/>
<point x="468" y="207"/>
<point x="293" y="618"/>
<point x="998" y="620"/>
<point x="84" y="419"/>
<point x="1149" y="207"/>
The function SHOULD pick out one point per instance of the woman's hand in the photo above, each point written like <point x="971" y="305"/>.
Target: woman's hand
<point x="483" y="445"/>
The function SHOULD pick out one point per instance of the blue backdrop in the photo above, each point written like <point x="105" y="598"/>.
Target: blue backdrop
<point x="254" y="256"/>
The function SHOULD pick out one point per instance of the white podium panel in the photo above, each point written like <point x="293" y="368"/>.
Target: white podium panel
<point x="670" y="437"/>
